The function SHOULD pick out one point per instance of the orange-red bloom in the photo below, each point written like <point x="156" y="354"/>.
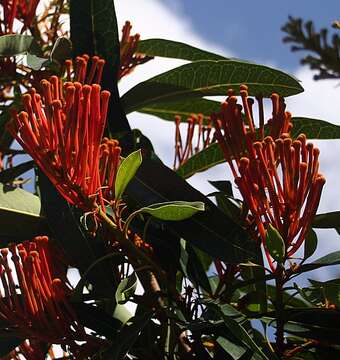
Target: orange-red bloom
<point x="278" y="178"/>
<point x="129" y="56"/>
<point x="197" y="132"/>
<point x="34" y="304"/>
<point x="62" y="131"/>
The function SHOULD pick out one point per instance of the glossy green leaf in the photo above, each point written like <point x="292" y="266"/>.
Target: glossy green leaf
<point x="327" y="220"/>
<point x="315" y="128"/>
<point x="126" y="172"/>
<point x="15" y="44"/>
<point x="234" y="350"/>
<point x="20" y="215"/>
<point x="174" y="210"/>
<point x="310" y="244"/>
<point x="208" y="77"/>
<point x="175" y="49"/>
<point x="62" y="50"/>
<point x="126" y="289"/>
<point x="184" y="108"/>
<point x="275" y="244"/>
<point x="204" y="160"/>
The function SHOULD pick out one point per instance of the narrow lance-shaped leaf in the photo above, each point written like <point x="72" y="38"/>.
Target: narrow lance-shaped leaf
<point x="184" y="108"/>
<point x="126" y="172"/>
<point x="206" y="77"/>
<point x="315" y="128"/>
<point x="327" y="220"/>
<point x="175" y="49"/>
<point x="173" y="210"/>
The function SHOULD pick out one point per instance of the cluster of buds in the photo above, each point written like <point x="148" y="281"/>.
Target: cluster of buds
<point x="62" y="130"/>
<point x="278" y="177"/>
<point x="199" y="135"/>
<point x="34" y="303"/>
<point x="129" y="56"/>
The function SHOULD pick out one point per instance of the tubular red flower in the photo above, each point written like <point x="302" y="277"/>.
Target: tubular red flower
<point x="278" y="178"/>
<point x="129" y="56"/>
<point x="62" y="131"/>
<point x="198" y="136"/>
<point x="36" y="305"/>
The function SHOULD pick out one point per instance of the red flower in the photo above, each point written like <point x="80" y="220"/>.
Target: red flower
<point x="278" y="178"/>
<point x="62" y="131"/>
<point x="129" y="56"/>
<point x="34" y="304"/>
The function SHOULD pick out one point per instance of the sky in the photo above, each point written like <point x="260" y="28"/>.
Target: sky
<point x="250" y="31"/>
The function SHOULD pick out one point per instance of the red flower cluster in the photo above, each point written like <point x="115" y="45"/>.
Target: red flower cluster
<point x="277" y="176"/>
<point x="36" y="305"/>
<point x="129" y="56"/>
<point x="198" y="131"/>
<point x="62" y="131"/>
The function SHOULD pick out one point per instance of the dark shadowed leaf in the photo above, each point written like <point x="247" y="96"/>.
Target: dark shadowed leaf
<point x="327" y="220"/>
<point x="211" y="230"/>
<point x="310" y="244"/>
<point x="175" y="49"/>
<point x="8" y="344"/>
<point x="184" y="108"/>
<point x="207" y="77"/>
<point x="10" y="174"/>
<point x="328" y="260"/>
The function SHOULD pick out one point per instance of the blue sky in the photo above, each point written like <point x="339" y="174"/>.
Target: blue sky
<point x="252" y="28"/>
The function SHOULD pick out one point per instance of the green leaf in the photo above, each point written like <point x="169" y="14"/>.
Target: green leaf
<point x="20" y="215"/>
<point x="203" y="160"/>
<point x="35" y="62"/>
<point x="126" y="172"/>
<point x="275" y="244"/>
<point x="175" y="49"/>
<point x="174" y="210"/>
<point x="327" y="220"/>
<point x="184" y="108"/>
<point x="14" y="44"/>
<point x="236" y="351"/>
<point x="310" y="244"/>
<point x="328" y="260"/>
<point x="62" y="50"/>
<point x="208" y="77"/>
<point x="126" y="289"/>
<point x="314" y="128"/>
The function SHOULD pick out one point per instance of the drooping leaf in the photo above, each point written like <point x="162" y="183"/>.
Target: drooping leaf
<point x="203" y="160"/>
<point x="224" y="186"/>
<point x="173" y="210"/>
<point x="211" y="230"/>
<point x="126" y="172"/>
<point x="20" y="215"/>
<point x="184" y="108"/>
<point x="207" y="77"/>
<point x="275" y="244"/>
<point x="328" y="260"/>
<point x="15" y="44"/>
<point x="315" y="128"/>
<point x="175" y="49"/>
<point x="126" y="289"/>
